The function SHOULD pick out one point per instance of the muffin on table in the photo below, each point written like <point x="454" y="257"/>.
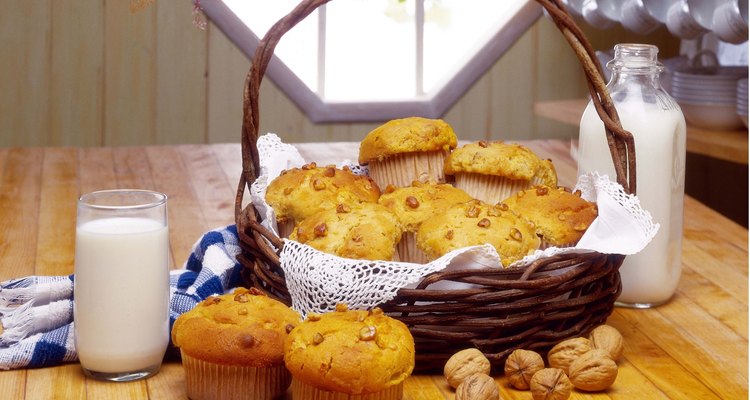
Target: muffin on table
<point x="347" y="354"/>
<point x="232" y="346"/>
<point x="559" y="216"/>
<point x="475" y="223"/>
<point x="493" y="171"/>
<point x="414" y="204"/>
<point x="365" y="231"/>
<point x="300" y="192"/>
<point x="404" y="150"/>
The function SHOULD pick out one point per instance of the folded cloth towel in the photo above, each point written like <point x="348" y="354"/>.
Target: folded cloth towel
<point x="36" y="312"/>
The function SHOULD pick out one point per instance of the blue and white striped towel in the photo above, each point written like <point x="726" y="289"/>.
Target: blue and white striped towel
<point x="37" y="312"/>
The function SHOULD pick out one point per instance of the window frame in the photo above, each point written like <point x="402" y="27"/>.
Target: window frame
<point x="433" y="104"/>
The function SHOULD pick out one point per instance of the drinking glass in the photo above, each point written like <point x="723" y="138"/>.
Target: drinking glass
<point x="121" y="289"/>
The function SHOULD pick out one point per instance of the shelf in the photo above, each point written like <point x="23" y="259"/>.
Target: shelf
<point x="724" y="145"/>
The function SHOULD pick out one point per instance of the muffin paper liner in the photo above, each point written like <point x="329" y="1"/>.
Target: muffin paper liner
<point x="490" y="189"/>
<point x="401" y="170"/>
<point x="408" y="251"/>
<point x="301" y="390"/>
<point x="208" y="381"/>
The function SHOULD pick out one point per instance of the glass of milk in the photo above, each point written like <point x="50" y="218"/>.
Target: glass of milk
<point x="121" y="289"/>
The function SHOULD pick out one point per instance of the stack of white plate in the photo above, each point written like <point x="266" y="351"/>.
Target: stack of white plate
<point x="708" y="96"/>
<point x="742" y="100"/>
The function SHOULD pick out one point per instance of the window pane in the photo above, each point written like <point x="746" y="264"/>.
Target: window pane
<point x="298" y="49"/>
<point x="454" y="31"/>
<point x="370" y="50"/>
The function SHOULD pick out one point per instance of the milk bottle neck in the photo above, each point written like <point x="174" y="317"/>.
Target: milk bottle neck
<point x="635" y="70"/>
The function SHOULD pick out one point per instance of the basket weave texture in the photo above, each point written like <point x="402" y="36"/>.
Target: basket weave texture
<point x="532" y="307"/>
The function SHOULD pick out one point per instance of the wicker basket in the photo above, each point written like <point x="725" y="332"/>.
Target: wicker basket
<point x="532" y="308"/>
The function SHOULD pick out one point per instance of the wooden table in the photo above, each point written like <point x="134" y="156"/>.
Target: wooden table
<point x="694" y="347"/>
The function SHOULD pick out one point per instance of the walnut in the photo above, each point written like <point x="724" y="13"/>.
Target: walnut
<point x="367" y="333"/>
<point x="341" y="307"/>
<point x="343" y="209"/>
<point x="318" y="184"/>
<point x="550" y="384"/>
<point x="473" y="211"/>
<point x="608" y="338"/>
<point x="541" y="190"/>
<point x="449" y="234"/>
<point x="241" y="298"/>
<point x="478" y="387"/>
<point x="288" y="328"/>
<point x="515" y="234"/>
<point x="330" y="171"/>
<point x="317" y="338"/>
<point x="321" y="229"/>
<point x="593" y="371"/>
<point x="520" y="366"/>
<point x="463" y="364"/>
<point x="412" y="202"/>
<point x="390" y="189"/>
<point x="484" y="223"/>
<point x="564" y="353"/>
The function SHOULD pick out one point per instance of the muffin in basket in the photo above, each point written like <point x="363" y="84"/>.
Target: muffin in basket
<point x="231" y="346"/>
<point x="493" y="171"/>
<point x="404" y="150"/>
<point x="366" y="231"/>
<point x="475" y="223"/>
<point x="346" y="354"/>
<point x="414" y="204"/>
<point x="559" y="216"/>
<point x="300" y="192"/>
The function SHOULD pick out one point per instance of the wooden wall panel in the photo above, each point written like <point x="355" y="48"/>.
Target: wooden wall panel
<point x="92" y="73"/>
<point x="129" y="74"/>
<point x="180" y="75"/>
<point x="76" y="91"/>
<point x="227" y="67"/>
<point x="24" y="71"/>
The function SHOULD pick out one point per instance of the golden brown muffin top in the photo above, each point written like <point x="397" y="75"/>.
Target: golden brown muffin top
<point x="406" y="135"/>
<point x="420" y="201"/>
<point x="300" y="192"/>
<point x="365" y="231"/>
<point x="244" y="328"/>
<point x="510" y="160"/>
<point x="355" y="352"/>
<point x="560" y="217"/>
<point x="475" y="223"/>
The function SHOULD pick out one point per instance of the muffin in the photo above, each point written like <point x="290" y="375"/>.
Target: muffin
<point x="560" y="217"/>
<point x="415" y="204"/>
<point x="493" y="171"/>
<point x="231" y="346"/>
<point x="363" y="355"/>
<point x="365" y="231"/>
<point x="300" y="192"/>
<point x="404" y="150"/>
<point x="475" y="223"/>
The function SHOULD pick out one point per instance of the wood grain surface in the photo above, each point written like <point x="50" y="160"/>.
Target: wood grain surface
<point x="694" y="347"/>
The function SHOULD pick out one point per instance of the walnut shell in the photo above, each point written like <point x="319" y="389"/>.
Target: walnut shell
<point x="593" y="371"/>
<point x="478" y="387"/>
<point x="550" y="384"/>
<point x="608" y="338"/>
<point x="464" y="364"/>
<point x="564" y="353"/>
<point x="520" y="366"/>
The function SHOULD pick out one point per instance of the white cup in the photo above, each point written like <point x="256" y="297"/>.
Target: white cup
<point x="636" y="18"/>
<point x="681" y="23"/>
<point x="658" y="9"/>
<point x="595" y="16"/>
<point x="729" y="22"/>
<point x="703" y="11"/>
<point x="121" y="287"/>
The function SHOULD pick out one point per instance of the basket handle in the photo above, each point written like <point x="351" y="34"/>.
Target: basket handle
<point x="620" y="141"/>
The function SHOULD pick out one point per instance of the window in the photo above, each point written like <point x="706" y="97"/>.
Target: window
<point x="371" y="60"/>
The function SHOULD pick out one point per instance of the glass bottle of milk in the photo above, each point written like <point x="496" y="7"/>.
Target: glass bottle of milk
<point x="650" y="277"/>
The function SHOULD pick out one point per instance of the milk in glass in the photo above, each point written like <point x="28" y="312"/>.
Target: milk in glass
<point x="650" y="277"/>
<point x="121" y="302"/>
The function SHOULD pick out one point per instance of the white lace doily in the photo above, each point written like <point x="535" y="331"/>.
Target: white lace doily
<point x="318" y="281"/>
